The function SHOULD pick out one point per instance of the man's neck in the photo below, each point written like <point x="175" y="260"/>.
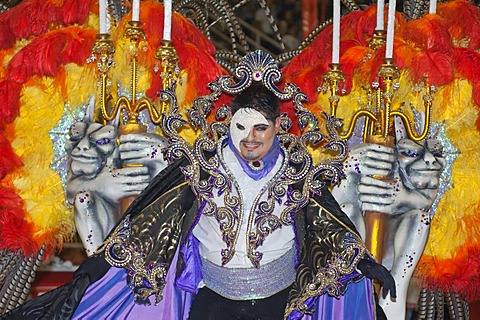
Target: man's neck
<point x="259" y="168"/>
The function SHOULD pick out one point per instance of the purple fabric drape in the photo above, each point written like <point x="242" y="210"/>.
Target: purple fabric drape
<point x="111" y="298"/>
<point x="191" y="275"/>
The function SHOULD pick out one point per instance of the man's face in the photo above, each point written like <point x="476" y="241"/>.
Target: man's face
<point x="252" y="134"/>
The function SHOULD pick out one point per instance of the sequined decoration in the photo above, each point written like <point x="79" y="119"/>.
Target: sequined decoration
<point x="408" y="263"/>
<point x="59" y="136"/>
<point x="425" y="219"/>
<point x="450" y="153"/>
<point x="327" y="280"/>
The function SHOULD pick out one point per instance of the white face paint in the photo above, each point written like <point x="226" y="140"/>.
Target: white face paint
<point x="252" y="134"/>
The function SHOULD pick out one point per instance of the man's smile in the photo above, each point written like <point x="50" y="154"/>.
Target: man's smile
<point x="251" y="145"/>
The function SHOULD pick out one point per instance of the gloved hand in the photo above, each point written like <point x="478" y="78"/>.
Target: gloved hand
<point x="94" y="267"/>
<point x="375" y="271"/>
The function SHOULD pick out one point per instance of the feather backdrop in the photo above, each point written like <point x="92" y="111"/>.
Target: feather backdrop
<point x="44" y="46"/>
<point x="443" y="47"/>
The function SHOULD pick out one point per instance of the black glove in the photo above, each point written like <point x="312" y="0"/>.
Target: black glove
<point x="375" y="271"/>
<point x="94" y="267"/>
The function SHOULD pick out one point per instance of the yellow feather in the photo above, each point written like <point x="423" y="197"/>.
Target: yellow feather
<point x="37" y="184"/>
<point x="449" y="229"/>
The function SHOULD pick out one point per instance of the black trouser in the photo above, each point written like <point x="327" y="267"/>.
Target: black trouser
<point x="209" y="305"/>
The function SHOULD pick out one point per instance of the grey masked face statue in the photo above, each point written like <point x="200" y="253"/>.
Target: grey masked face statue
<point x="405" y="199"/>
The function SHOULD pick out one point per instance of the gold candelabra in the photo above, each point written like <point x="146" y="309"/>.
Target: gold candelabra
<point x="132" y="107"/>
<point x="378" y="122"/>
<point x="377" y="129"/>
<point x="103" y="51"/>
<point x="168" y="57"/>
<point x="378" y="40"/>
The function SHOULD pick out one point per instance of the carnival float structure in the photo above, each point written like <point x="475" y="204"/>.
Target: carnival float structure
<point x="80" y="74"/>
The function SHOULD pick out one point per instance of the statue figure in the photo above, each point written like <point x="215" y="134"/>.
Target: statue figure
<point x="104" y="169"/>
<point x="406" y="198"/>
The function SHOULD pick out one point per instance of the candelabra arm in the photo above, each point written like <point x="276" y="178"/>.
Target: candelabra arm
<point x="370" y="116"/>
<point x="122" y="103"/>
<point x="134" y="76"/>
<point x="168" y="57"/>
<point x="412" y="135"/>
<point x="105" y="97"/>
<point x="155" y="116"/>
<point x="333" y="77"/>
<point x="368" y="128"/>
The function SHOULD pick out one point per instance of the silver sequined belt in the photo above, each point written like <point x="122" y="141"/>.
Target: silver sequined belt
<point x="250" y="283"/>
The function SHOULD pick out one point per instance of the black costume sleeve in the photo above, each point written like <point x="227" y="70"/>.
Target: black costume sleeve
<point x="330" y="251"/>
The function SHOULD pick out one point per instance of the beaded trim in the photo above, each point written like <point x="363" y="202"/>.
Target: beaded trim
<point x="250" y="283"/>
<point x="256" y="66"/>
<point x="262" y="221"/>
<point x="120" y="253"/>
<point x="327" y="279"/>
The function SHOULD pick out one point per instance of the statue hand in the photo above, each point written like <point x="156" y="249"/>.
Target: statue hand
<point x="370" y="159"/>
<point x="364" y="160"/>
<point x="392" y="196"/>
<point x="114" y="184"/>
<point x="144" y="149"/>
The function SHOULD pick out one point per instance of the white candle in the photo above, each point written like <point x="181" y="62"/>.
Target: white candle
<point x="390" y="29"/>
<point x="136" y="10"/>
<point x="102" y="15"/>
<point x="167" y="21"/>
<point x="433" y="7"/>
<point x="380" y="12"/>
<point x="336" y="32"/>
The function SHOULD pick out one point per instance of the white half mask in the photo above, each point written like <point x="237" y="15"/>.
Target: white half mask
<point x="243" y="122"/>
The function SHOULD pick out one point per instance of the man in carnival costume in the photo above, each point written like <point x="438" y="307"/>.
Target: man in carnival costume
<point x="241" y="226"/>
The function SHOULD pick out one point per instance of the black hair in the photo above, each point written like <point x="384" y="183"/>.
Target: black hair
<point x="259" y="98"/>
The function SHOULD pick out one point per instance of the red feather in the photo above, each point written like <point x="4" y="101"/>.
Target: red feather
<point x="298" y="63"/>
<point x="458" y="274"/>
<point x="428" y="33"/>
<point x="351" y="60"/>
<point x="75" y="12"/>
<point x="8" y="159"/>
<point x="9" y="95"/>
<point x="364" y="25"/>
<point x="308" y="80"/>
<point x="7" y="37"/>
<point x="462" y="18"/>
<point x="33" y="18"/>
<point x="44" y="56"/>
<point x="476" y="99"/>
<point x="438" y="66"/>
<point x="466" y="62"/>
<point x="15" y="232"/>
<point x="79" y="46"/>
